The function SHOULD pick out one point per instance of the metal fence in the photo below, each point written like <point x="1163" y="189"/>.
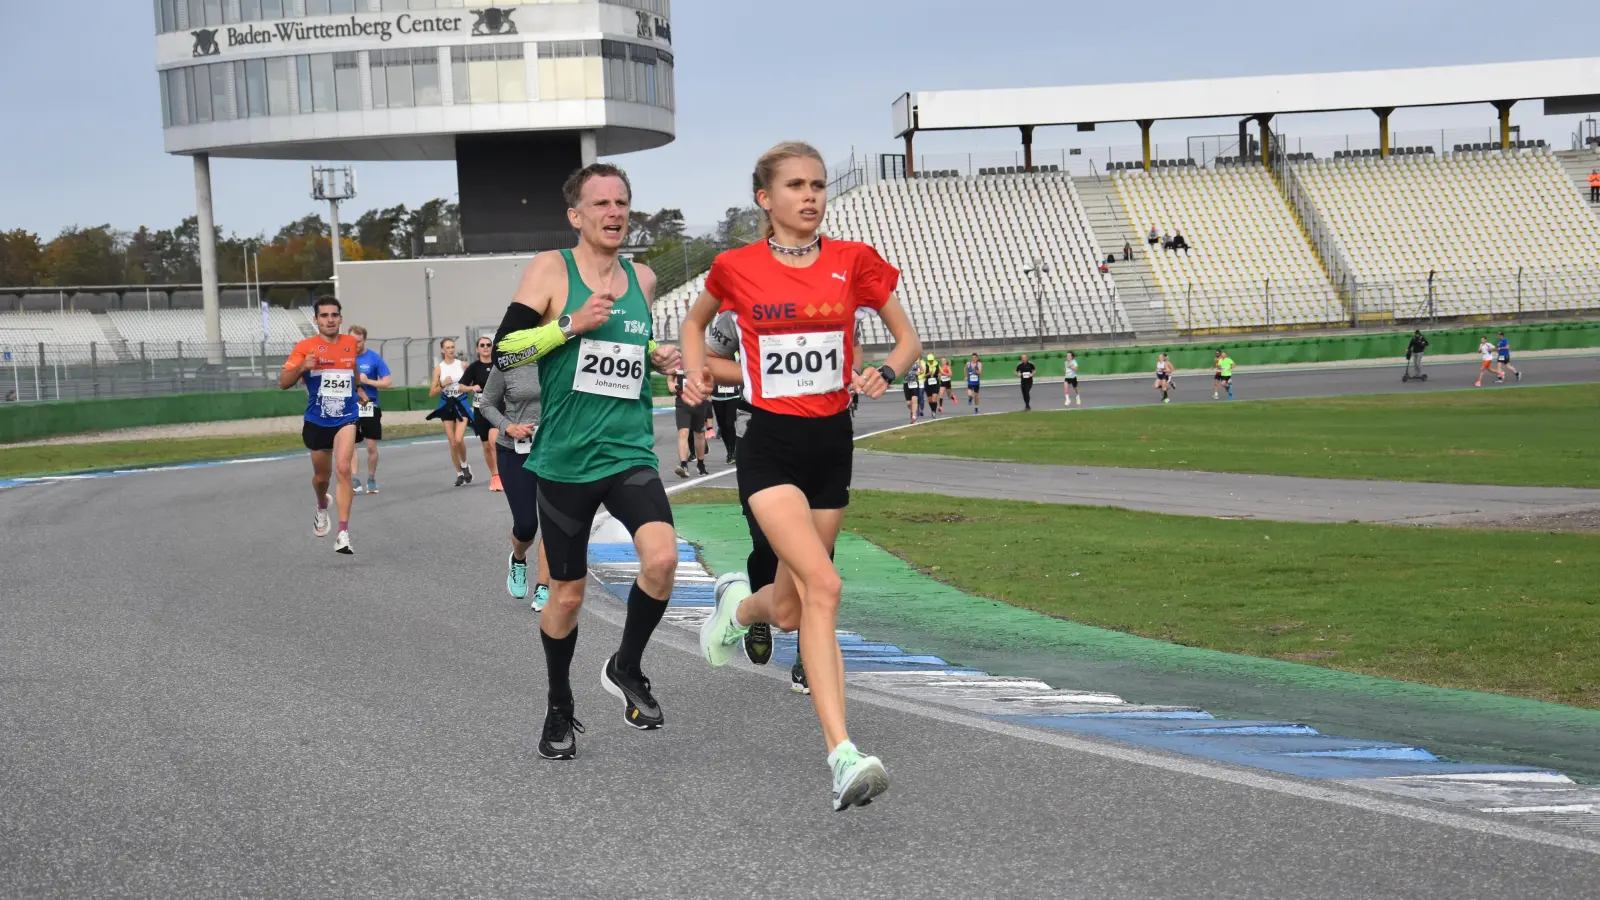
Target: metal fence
<point x="45" y="371"/>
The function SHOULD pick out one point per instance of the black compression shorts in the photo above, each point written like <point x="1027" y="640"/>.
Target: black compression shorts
<point x="635" y="497"/>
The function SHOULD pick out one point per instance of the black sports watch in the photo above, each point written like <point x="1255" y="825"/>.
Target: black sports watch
<point x="888" y="373"/>
<point x="565" y="324"/>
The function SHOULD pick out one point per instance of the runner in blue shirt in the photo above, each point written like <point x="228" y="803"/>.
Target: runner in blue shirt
<point x="372" y="373"/>
<point x="1503" y="352"/>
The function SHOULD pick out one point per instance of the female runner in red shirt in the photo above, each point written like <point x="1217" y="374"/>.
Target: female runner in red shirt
<point x="794" y="297"/>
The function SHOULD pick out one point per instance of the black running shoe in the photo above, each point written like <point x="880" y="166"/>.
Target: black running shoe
<point x="797" y="677"/>
<point x="730" y="459"/>
<point x="461" y="479"/>
<point x="758" y="643"/>
<point x="558" y="740"/>
<point x="466" y="472"/>
<point x="702" y="466"/>
<point x="639" y="705"/>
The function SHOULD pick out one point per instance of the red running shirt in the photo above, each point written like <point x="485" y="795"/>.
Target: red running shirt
<point x="797" y="326"/>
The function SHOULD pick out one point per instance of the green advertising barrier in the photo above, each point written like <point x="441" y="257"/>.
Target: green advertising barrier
<point x="27" y="421"/>
<point x="1283" y="351"/>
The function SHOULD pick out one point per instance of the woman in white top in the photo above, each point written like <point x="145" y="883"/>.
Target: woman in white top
<point x="1486" y="353"/>
<point x="452" y="411"/>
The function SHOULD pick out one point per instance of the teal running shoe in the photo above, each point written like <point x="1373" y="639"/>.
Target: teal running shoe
<point x="856" y="778"/>
<point x="721" y="631"/>
<point x="541" y="596"/>
<point x="372" y="485"/>
<point x="517" y="579"/>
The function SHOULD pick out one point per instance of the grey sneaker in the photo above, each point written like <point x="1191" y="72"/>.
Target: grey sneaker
<point x="856" y="778"/>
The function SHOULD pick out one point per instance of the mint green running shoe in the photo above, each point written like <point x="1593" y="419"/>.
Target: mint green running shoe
<point x="517" y="579"/>
<point x="721" y="632"/>
<point x="856" y="778"/>
<point x="541" y="596"/>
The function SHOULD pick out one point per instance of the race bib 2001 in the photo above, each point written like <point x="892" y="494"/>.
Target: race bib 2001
<point x="610" y="369"/>
<point x="795" y="365"/>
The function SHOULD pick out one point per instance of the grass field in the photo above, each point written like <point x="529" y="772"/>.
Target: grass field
<point x="1528" y="436"/>
<point x="45" y="459"/>
<point x="1507" y="612"/>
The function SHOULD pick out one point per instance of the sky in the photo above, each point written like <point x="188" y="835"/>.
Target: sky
<point x="82" y="116"/>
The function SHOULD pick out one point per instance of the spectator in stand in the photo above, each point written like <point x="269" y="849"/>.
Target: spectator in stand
<point x="1155" y="236"/>
<point x="1104" y="269"/>
<point x="1594" y="186"/>
<point x="11" y="396"/>
<point x="1127" y="251"/>
<point x="1178" y="243"/>
<point x="1166" y="241"/>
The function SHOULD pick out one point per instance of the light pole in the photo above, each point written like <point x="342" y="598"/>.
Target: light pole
<point x="1037" y="271"/>
<point x="333" y="185"/>
<point x="427" y="294"/>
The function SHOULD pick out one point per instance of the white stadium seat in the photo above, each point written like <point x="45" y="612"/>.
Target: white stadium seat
<point x="1475" y="220"/>
<point x="1248" y="265"/>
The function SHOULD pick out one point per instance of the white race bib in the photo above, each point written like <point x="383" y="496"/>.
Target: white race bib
<point x="795" y="365"/>
<point x="366" y="410"/>
<point x="452" y="390"/>
<point x="523" y="446"/>
<point x="477" y="400"/>
<point x="337" y="383"/>
<point x="610" y="369"/>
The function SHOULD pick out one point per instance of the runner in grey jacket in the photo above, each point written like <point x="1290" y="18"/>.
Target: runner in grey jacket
<point x="511" y="404"/>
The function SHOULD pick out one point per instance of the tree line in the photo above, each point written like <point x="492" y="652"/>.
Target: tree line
<point x="302" y="250"/>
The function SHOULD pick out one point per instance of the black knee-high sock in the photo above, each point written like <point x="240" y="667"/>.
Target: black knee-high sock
<point x="558" y="666"/>
<point x="644" y="614"/>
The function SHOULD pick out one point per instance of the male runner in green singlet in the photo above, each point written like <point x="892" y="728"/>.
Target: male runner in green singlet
<point x="595" y="444"/>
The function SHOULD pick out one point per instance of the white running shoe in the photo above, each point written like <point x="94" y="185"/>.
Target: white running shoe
<point x="341" y="544"/>
<point x="856" y="778"/>
<point x="322" y="524"/>
<point x="720" y="632"/>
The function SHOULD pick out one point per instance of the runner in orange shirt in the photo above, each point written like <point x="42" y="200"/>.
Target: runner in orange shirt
<point x="326" y="364"/>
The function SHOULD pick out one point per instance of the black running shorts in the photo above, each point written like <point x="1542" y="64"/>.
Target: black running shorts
<point x="319" y="438"/>
<point x="371" y="426"/>
<point x="522" y="492"/>
<point x="692" y="418"/>
<point x="911" y="390"/>
<point x="480" y="425"/>
<point x="635" y="497"/>
<point x="814" y="455"/>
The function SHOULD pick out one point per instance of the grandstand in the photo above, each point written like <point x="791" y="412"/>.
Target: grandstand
<point x="1471" y="220"/>
<point x="963" y="247"/>
<point x="1248" y="263"/>
<point x="79" y="337"/>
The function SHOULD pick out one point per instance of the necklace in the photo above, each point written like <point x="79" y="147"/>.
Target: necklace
<point x="801" y="250"/>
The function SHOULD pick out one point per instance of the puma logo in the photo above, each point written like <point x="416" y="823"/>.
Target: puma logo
<point x="842" y="276"/>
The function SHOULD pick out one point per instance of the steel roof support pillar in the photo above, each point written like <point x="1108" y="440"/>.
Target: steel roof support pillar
<point x="1504" y="106"/>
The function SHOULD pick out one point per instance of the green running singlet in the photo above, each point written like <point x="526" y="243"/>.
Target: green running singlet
<point x="596" y="392"/>
<point x="1226" y="365"/>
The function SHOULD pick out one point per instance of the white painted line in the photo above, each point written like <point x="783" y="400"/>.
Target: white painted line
<point x="1522" y="777"/>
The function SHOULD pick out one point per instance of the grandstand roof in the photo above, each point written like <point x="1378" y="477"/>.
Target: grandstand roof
<point x="1566" y="86"/>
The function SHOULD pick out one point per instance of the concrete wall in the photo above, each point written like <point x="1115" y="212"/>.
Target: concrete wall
<point x="470" y="295"/>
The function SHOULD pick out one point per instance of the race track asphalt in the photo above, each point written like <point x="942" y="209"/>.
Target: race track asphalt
<point x="200" y="699"/>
